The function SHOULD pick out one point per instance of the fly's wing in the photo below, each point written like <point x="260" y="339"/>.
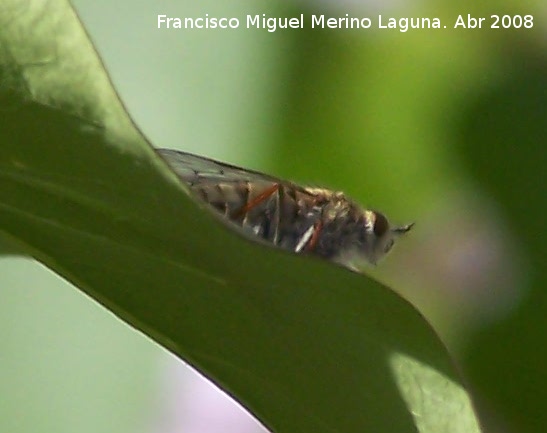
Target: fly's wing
<point x="195" y="170"/>
<point x="235" y="192"/>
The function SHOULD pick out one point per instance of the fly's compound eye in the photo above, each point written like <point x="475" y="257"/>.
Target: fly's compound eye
<point x="380" y="224"/>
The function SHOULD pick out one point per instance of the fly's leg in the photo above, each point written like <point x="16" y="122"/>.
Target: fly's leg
<point x="257" y="200"/>
<point x="315" y="235"/>
<point x="309" y="238"/>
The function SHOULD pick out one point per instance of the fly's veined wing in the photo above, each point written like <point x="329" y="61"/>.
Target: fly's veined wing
<point x="195" y="169"/>
<point x="266" y="208"/>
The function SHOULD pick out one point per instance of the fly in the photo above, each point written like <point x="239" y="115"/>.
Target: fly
<point x="305" y="220"/>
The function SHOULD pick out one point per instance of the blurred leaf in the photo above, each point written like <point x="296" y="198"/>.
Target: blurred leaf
<point x="503" y="140"/>
<point x="306" y="346"/>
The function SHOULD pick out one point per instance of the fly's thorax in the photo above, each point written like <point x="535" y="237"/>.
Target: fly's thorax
<point x="343" y="228"/>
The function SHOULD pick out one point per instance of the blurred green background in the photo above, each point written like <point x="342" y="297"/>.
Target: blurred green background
<point x="447" y="128"/>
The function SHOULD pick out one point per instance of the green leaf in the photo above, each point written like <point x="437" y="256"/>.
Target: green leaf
<point x="305" y="345"/>
<point x="503" y="144"/>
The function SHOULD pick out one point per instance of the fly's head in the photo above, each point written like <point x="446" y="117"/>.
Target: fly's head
<point x="374" y="238"/>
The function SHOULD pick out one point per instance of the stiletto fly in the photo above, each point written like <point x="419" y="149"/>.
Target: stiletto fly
<point x="301" y="219"/>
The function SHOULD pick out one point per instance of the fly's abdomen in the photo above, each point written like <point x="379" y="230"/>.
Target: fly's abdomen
<point x="225" y="198"/>
<point x="267" y="210"/>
